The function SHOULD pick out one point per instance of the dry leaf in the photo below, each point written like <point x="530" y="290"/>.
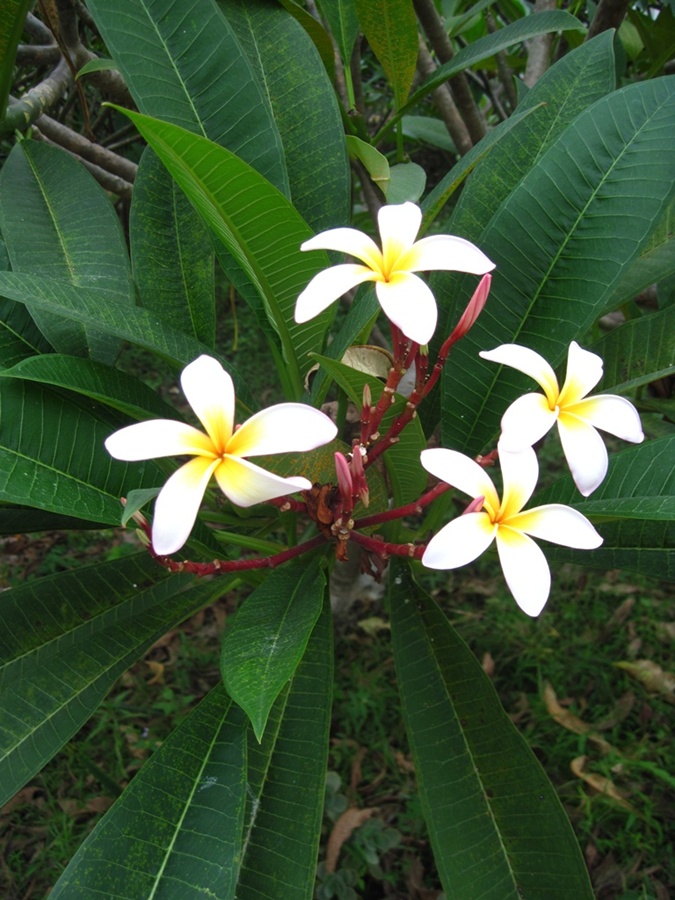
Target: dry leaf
<point x="350" y="820"/>
<point x="622" y="708"/>
<point x="373" y="624"/>
<point x="369" y="359"/>
<point x="652" y="676"/>
<point x="571" y="722"/>
<point x="157" y="669"/>
<point x="601" y="784"/>
<point x="488" y="664"/>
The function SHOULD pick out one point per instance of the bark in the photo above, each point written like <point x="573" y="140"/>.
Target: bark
<point x="444" y="103"/>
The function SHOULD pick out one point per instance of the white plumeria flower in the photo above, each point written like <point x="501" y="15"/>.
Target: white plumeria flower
<point x="405" y="298"/>
<point x="530" y="417"/>
<point x="463" y="539"/>
<point x="220" y="452"/>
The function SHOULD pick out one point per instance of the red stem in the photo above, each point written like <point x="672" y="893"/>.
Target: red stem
<point x="222" y="566"/>
<point x="410" y="510"/>
<point x="385" y="550"/>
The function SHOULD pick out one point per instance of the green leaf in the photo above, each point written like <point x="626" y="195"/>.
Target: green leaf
<point x="304" y="107"/>
<point x="637" y="352"/>
<point x="497" y="828"/>
<point x="428" y="130"/>
<point x="19" y="335"/>
<point x="99" y="308"/>
<point x="48" y="202"/>
<point x="109" y="386"/>
<point x="171" y="253"/>
<point x="561" y="242"/>
<point x="402" y="459"/>
<point x="12" y="17"/>
<point x="343" y="23"/>
<point x="633" y="509"/>
<point x="477" y="51"/>
<point x="22" y="520"/>
<point x="286" y="776"/>
<point x="183" y="62"/>
<point x="374" y="162"/>
<point x="99" y="64"/>
<point x="569" y="87"/>
<point x="391" y="29"/>
<point x="406" y="182"/>
<point x="261" y="649"/>
<point x="52" y="455"/>
<point x="317" y="33"/>
<point x="190" y="797"/>
<point x="63" y="658"/>
<point x="656" y="262"/>
<point x="256" y="224"/>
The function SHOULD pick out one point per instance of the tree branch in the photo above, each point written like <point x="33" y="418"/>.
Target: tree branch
<point x="444" y="102"/>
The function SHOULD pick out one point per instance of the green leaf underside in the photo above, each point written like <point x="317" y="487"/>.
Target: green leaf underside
<point x="287" y="780"/>
<point x="171" y="253"/>
<point x="262" y="648"/>
<point x="390" y="27"/>
<point x="257" y="225"/>
<point x="55" y="697"/>
<point x="190" y="797"/>
<point x="561" y="242"/>
<point x="19" y="335"/>
<point x="637" y="352"/>
<point x="402" y="459"/>
<point x="496" y="825"/>
<point x="47" y="204"/>
<point x="183" y="62"/>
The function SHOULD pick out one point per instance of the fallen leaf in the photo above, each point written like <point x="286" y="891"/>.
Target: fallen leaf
<point x="601" y="784"/>
<point x="488" y="664"/>
<point x="571" y="722"/>
<point x="349" y="821"/>
<point x="157" y="669"/>
<point x="622" y="708"/>
<point x="369" y="359"/>
<point x="652" y="676"/>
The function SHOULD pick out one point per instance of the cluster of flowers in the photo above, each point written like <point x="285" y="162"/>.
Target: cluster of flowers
<point x="223" y="451"/>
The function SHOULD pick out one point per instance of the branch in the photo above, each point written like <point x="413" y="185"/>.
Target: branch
<point x="22" y="113"/>
<point x="539" y="48"/>
<point x="444" y="102"/>
<point x="461" y="92"/>
<point x="81" y="146"/>
<point x="608" y="14"/>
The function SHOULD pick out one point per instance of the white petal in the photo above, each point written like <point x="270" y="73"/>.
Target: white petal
<point x="210" y="392"/>
<point x="327" y="286"/>
<point x="584" y="371"/>
<point x="157" y="438"/>
<point x="461" y="472"/>
<point x="525" y="570"/>
<point x="398" y="224"/>
<point x="529" y="362"/>
<point x="459" y="542"/>
<point x="347" y="240"/>
<point x="559" y="524"/>
<point x="585" y="452"/>
<point x="408" y="303"/>
<point x="519" y="472"/>
<point x="178" y="503"/>
<point x="445" y="251"/>
<point x="611" y="413"/>
<point x="283" y="428"/>
<point x="246" y="484"/>
<point x="526" y="421"/>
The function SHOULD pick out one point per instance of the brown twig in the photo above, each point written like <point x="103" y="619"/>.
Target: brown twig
<point x="444" y="102"/>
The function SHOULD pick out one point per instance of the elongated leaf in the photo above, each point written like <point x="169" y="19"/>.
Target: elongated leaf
<point x="48" y="202"/>
<point x="637" y="352"/>
<point x="262" y="648"/>
<point x="497" y="828"/>
<point x="304" y="107"/>
<point x="19" y="335"/>
<point x="110" y="386"/>
<point x="391" y="29"/>
<point x="12" y="17"/>
<point x="402" y="459"/>
<point x="287" y="780"/>
<point x="317" y="33"/>
<point x="22" y="520"/>
<point x="569" y="87"/>
<point x="171" y="253"/>
<point x="561" y="242"/>
<point x="99" y="308"/>
<point x="477" y="51"/>
<point x="182" y="62"/>
<point x="343" y="23"/>
<point x="655" y="263"/>
<point x="54" y="698"/>
<point x="257" y="225"/>
<point x="52" y="455"/>
<point x="190" y="797"/>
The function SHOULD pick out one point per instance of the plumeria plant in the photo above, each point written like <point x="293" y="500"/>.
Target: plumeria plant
<point x="253" y="150"/>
